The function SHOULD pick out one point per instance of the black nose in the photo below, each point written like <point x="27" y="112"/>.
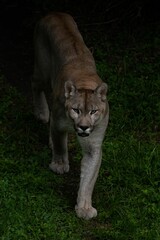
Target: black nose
<point x="83" y="127"/>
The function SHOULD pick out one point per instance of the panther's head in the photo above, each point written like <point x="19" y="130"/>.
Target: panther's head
<point x="85" y="107"/>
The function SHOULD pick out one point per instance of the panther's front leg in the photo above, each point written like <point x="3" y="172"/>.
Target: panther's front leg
<point x="58" y="143"/>
<point x="89" y="171"/>
<point x="60" y="163"/>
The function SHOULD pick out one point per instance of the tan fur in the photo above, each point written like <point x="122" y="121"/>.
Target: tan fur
<point x="68" y="91"/>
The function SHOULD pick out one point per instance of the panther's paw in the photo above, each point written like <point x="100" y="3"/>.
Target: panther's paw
<point x="59" y="168"/>
<point x="86" y="213"/>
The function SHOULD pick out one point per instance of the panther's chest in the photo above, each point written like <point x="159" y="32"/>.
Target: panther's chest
<point x="61" y="121"/>
<point x="66" y="124"/>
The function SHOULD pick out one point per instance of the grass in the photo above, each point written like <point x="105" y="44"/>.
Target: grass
<point x="36" y="204"/>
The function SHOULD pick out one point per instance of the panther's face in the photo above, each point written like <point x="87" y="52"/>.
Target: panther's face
<point x="85" y="107"/>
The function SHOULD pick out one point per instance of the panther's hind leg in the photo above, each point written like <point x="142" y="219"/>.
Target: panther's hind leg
<point x="41" y="110"/>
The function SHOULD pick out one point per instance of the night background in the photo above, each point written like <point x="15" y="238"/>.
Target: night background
<point x="103" y="17"/>
<point x="36" y="204"/>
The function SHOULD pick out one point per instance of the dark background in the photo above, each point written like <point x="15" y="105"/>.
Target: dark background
<point x="18" y="19"/>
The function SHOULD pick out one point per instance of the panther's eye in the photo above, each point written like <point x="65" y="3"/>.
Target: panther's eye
<point x="76" y="110"/>
<point x="93" y="112"/>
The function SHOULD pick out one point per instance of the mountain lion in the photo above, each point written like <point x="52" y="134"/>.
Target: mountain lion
<point x="68" y="93"/>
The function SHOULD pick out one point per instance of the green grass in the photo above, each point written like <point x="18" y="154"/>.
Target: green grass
<point x="37" y="204"/>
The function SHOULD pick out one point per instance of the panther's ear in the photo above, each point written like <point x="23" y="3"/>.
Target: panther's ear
<point x="101" y="91"/>
<point x="69" y="89"/>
